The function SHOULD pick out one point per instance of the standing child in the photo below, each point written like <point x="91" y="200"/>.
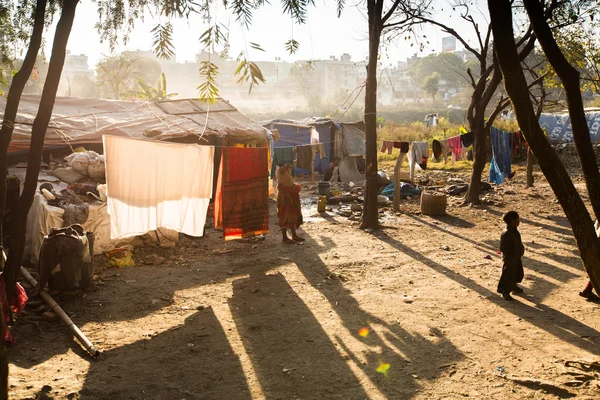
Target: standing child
<point x="512" y="250"/>
<point x="289" y="209"/>
<point x="588" y="291"/>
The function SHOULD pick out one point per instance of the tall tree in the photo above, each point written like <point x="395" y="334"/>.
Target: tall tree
<point x="118" y="76"/>
<point x="14" y="97"/>
<point x="555" y="172"/>
<point x="570" y="78"/>
<point x="484" y="81"/>
<point x="431" y="85"/>
<point x="38" y="134"/>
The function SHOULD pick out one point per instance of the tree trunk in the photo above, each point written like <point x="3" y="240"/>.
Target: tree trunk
<point x="558" y="178"/>
<point x="479" y="158"/>
<point x="570" y="80"/>
<point x="38" y="134"/>
<point x="529" y="167"/>
<point x="371" y="211"/>
<point x="12" y="103"/>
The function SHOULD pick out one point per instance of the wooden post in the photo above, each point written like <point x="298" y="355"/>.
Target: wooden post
<point x="312" y="170"/>
<point x="397" y="182"/>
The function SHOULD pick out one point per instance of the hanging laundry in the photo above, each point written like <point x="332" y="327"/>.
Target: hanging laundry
<point x="242" y="198"/>
<point x="304" y="157"/>
<point x="466" y="139"/>
<point x="306" y="154"/>
<point x="152" y="184"/>
<point x="16" y="305"/>
<point x="455" y="147"/>
<point x="500" y="166"/>
<point x="517" y="142"/>
<point x="419" y="153"/>
<point x="436" y="148"/>
<point x="445" y="143"/>
<point x="403" y="146"/>
<point x="282" y="156"/>
<point x="387" y="145"/>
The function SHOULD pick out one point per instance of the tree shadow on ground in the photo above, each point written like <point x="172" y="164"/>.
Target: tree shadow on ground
<point x="483" y="245"/>
<point x="192" y="361"/>
<point x="454" y="221"/>
<point x="386" y="342"/>
<point x="292" y="356"/>
<point x="561" y="229"/>
<point x="546" y="318"/>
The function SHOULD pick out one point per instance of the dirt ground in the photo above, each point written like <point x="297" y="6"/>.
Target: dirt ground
<point x="263" y="320"/>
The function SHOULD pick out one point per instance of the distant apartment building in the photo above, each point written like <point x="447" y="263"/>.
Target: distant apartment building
<point x="75" y="71"/>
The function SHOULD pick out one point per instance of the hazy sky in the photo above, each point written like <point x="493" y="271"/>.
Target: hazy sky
<point x="324" y="35"/>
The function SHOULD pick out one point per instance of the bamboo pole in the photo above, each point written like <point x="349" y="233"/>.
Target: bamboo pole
<point x="59" y="311"/>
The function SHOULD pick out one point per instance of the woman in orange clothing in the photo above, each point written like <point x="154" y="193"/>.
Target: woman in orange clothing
<point x="289" y="209"/>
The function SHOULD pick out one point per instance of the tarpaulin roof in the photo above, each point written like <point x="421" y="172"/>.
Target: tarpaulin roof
<point x="353" y="139"/>
<point x="78" y="121"/>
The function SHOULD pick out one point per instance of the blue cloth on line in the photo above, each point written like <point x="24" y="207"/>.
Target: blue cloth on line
<point x="500" y="167"/>
<point x="282" y="156"/>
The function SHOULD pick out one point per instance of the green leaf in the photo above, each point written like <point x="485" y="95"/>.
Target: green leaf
<point x="291" y="46"/>
<point x="162" y="41"/>
<point x="256" y="46"/>
<point x="208" y="89"/>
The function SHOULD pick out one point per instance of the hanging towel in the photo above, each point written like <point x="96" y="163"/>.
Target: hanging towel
<point x="455" y="147"/>
<point x="387" y="145"/>
<point x="306" y="154"/>
<point x="419" y="153"/>
<point x="152" y="184"/>
<point x="466" y="139"/>
<point x="304" y="157"/>
<point x="500" y="166"/>
<point x="282" y="156"/>
<point x="242" y="198"/>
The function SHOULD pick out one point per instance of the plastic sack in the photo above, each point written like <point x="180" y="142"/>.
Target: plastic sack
<point x="96" y="168"/>
<point x="67" y="174"/>
<point x="87" y="163"/>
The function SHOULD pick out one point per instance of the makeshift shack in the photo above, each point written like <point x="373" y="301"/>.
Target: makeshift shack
<point x="340" y="139"/>
<point x="80" y="123"/>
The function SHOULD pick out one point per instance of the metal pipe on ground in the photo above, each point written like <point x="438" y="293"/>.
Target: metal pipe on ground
<point x="61" y="314"/>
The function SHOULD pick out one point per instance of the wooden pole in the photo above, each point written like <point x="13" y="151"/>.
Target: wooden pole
<point x="397" y="182"/>
<point x="62" y="315"/>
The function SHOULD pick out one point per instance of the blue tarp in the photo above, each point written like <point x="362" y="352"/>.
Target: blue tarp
<point x="558" y="126"/>
<point x="500" y="167"/>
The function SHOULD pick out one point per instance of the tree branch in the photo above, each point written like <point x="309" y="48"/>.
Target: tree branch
<point x="390" y="12"/>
